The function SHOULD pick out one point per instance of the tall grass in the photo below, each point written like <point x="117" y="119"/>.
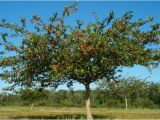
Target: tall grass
<point x="76" y="113"/>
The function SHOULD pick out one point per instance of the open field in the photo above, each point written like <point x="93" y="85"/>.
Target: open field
<point x="72" y="113"/>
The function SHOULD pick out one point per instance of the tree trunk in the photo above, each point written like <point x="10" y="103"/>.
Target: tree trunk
<point x="32" y="106"/>
<point x="88" y="105"/>
<point x="126" y="102"/>
<point x="138" y="95"/>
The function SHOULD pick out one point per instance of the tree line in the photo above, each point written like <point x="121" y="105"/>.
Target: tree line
<point x="139" y="94"/>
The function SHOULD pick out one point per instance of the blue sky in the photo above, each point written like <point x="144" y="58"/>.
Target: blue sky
<point x="13" y="11"/>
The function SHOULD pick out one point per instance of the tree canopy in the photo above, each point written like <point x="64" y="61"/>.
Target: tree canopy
<point x="56" y="51"/>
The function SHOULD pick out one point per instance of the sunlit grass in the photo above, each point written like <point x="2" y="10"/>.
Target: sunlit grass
<point x="50" y="112"/>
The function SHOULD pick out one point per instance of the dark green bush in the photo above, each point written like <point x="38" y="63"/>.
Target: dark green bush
<point x="144" y="103"/>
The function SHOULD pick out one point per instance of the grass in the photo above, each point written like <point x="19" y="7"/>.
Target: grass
<point x="73" y="113"/>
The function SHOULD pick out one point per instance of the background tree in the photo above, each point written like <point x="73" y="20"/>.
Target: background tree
<point x="33" y="95"/>
<point x="154" y="92"/>
<point x="56" y="53"/>
<point x="139" y="87"/>
<point x="122" y="89"/>
<point x="70" y="96"/>
<point x="137" y="92"/>
<point x="100" y="97"/>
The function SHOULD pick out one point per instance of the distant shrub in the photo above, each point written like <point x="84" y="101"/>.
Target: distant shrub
<point x="110" y="103"/>
<point x="42" y="103"/>
<point x="144" y="103"/>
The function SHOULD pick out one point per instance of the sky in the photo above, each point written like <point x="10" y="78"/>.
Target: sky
<point x="13" y="11"/>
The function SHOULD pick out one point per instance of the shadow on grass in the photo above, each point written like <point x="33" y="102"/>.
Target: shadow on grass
<point x="67" y="116"/>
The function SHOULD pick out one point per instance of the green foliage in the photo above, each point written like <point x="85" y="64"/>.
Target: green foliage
<point x="31" y="63"/>
<point x="108" y="103"/>
<point x="57" y="53"/>
<point x="10" y="100"/>
<point x="95" y="52"/>
<point x="142" y="97"/>
<point x="144" y="103"/>
<point x="154" y="92"/>
<point x="137" y="91"/>
<point x="32" y="96"/>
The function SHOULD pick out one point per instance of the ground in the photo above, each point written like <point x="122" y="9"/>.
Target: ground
<point x="72" y="113"/>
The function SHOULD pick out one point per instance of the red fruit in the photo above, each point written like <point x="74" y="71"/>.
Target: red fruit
<point x="48" y="31"/>
<point x="22" y="72"/>
<point x="81" y="58"/>
<point x="53" y="20"/>
<point x="60" y="74"/>
<point x="84" y="44"/>
<point x="53" y="47"/>
<point x="16" y="72"/>
<point x="45" y="27"/>
<point x="109" y="30"/>
<point x="97" y="47"/>
<point x="62" y="46"/>
<point x="82" y="50"/>
<point x="12" y="48"/>
<point x="38" y="23"/>
<point x="51" y="27"/>
<point x="84" y="31"/>
<point x="91" y="36"/>
<point x="55" y="66"/>
<point x="143" y="38"/>
<point x="53" y="40"/>
<point x="93" y="51"/>
<point x="34" y="56"/>
<point x="28" y="33"/>
<point x="78" y="33"/>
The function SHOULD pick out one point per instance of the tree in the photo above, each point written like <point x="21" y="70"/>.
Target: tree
<point x="70" y="96"/>
<point x="121" y="88"/>
<point x="57" y="53"/>
<point x="139" y="87"/>
<point x="33" y="95"/>
<point x="126" y="88"/>
<point x="154" y="92"/>
<point x="99" y="49"/>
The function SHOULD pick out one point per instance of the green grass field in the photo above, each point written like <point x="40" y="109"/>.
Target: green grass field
<point x="73" y="113"/>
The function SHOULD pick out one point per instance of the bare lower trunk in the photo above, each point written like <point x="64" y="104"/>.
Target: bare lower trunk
<point x="126" y="102"/>
<point x="32" y="106"/>
<point x="88" y="105"/>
